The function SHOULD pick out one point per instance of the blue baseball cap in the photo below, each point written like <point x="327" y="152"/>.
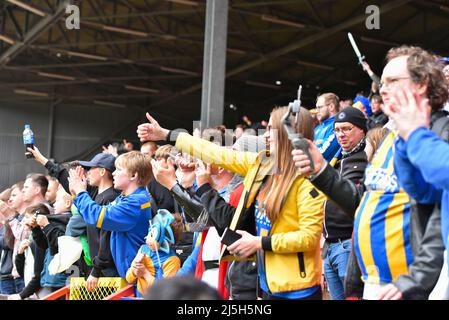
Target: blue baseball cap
<point x="101" y="160"/>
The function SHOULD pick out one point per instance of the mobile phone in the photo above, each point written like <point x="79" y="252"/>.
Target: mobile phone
<point x="229" y="237"/>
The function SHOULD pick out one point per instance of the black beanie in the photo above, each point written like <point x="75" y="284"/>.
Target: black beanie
<point x="352" y="115"/>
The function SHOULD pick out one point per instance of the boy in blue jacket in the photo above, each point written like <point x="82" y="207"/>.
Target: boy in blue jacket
<point x="127" y="217"/>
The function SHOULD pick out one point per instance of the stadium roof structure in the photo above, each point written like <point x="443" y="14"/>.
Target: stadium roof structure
<point x="149" y="53"/>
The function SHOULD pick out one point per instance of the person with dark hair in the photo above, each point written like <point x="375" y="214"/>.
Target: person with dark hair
<point x="100" y="188"/>
<point x="378" y="118"/>
<point x="446" y="75"/>
<point x="42" y="282"/>
<point x="99" y="175"/>
<point x="181" y="288"/>
<point x="350" y="129"/>
<point x="34" y="190"/>
<point x="118" y="148"/>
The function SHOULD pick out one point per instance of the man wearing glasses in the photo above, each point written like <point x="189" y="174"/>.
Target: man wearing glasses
<point x="327" y="105"/>
<point x="350" y="130"/>
<point x="394" y="239"/>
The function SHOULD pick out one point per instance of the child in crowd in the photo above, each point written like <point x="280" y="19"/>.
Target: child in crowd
<point x="40" y="253"/>
<point x="156" y="259"/>
<point x="127" y="217"/>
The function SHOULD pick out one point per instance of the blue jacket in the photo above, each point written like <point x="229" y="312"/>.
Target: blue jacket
<point x="423" y="171"/>
<point x="325" y="139"/>
<point x="128" y="219"/>
<point x="47" y="280"/>
<point x="189" y="266"/>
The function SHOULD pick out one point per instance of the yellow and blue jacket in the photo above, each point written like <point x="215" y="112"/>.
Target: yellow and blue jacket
<point x="382" y="221"/>
<point x="160" y="265"/>
<point x="292" y="247"/>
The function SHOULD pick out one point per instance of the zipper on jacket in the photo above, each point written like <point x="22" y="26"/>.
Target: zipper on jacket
<point x="326" y="233"/>
<point x="302" y="267"/>
<point x="229" y="278"/>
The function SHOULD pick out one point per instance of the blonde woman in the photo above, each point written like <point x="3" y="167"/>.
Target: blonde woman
<point x="283" y="211"/>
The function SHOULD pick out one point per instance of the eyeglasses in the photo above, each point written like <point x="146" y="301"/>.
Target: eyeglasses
<point x="392" y="81"/>
<point x="324" y="105"/>
<point x="345" y="130"/>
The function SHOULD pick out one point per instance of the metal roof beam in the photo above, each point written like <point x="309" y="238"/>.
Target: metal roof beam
<point x="33" y="34"/>
<point x="322" y="34"/>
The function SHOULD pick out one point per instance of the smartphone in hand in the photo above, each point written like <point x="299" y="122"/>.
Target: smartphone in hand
<point x="229" y="237"/>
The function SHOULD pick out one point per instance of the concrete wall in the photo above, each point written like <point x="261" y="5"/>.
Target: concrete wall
<point x="76" y="128"/>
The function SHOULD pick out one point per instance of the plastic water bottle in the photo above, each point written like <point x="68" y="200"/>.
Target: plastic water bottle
<point x="28" y="140"/>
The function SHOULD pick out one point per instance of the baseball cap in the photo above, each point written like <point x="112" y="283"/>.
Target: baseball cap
<point x="101" y="160"/>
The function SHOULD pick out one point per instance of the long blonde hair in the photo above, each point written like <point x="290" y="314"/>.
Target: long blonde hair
<point x="273" y="192"/>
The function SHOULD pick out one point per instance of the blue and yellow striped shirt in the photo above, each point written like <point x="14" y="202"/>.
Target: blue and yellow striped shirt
<point x="382" y="221"/>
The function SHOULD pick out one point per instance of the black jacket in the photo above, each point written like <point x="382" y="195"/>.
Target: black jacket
<point x="378" y="119"/>
<point x="98" y="240"/>
<point x="55" y="228"/>
<point x="39" y="255"/>
<point x="241" y="278"/>
<point x="161" y="196"/>
<point x="338" y="224"/>
<point x="424" y="272"/>
<point x="221" y="212"/>
<point x="193" y="209"/>
<point x="6" y="252"/>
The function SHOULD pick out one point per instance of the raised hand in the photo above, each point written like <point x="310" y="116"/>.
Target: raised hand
<point x="408" y="110"/>
<point x="164" y="172"/>
<point x="5" y="210"/>
<point x="42" y="220"/>
<point x="203" y="173"/>
<point x="30" y="221"/>
<point x="38" y="155"/>
<point x="302" y="161"/>
<point x="151" y="131"/>
<point x="23" y="245"/>
<point x="77" y="181"/>
<point x="128" y="145"/>
<point x="366" y="67"/>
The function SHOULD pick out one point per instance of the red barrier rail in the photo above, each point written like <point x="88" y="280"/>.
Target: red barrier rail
<point x="127" y="291"/>
<point x="64" y="291"/>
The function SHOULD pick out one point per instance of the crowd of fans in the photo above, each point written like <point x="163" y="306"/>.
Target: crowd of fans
<point x="363" y="214"/>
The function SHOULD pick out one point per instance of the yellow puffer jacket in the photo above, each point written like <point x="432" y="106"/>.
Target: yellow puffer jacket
<point x="294" y="262"/>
